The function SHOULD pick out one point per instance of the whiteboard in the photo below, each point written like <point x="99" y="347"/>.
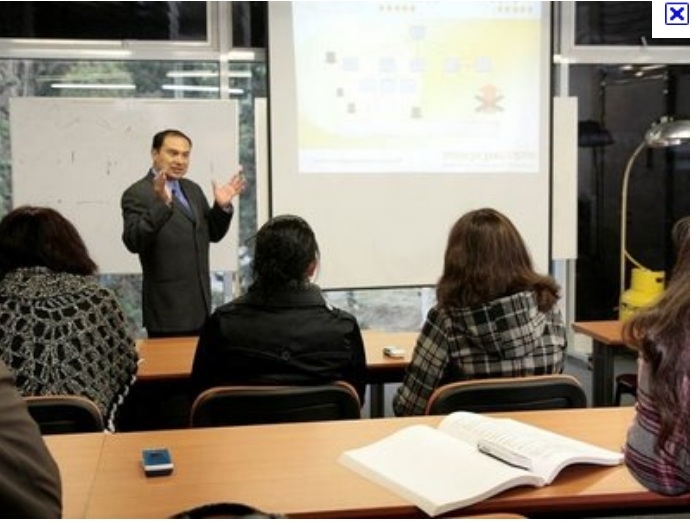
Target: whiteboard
<point x="79" y="155"/>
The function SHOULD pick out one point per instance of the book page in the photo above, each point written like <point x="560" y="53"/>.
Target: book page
<point x="548" y="452"/>
<point x="433" y="470"/>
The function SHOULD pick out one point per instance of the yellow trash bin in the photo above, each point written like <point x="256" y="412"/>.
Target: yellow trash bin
<point x="646" y="286"/>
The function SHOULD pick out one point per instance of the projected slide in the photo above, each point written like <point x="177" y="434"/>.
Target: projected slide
<point x="389" y="120"/>
<point x="417" y="87"/>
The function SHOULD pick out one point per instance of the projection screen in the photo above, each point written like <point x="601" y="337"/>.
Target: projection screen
<point x="389" y="120"/>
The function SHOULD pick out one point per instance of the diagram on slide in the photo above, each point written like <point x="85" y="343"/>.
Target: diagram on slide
<point x="418" y="86"/>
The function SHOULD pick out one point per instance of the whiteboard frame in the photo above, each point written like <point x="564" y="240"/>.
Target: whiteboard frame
<point x="78" y="155"/>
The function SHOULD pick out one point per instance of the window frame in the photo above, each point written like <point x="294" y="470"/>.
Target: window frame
<point x="218" y="45"/>
<point x="571" y="53"/>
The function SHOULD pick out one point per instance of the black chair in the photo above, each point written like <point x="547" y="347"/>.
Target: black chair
<point x="539" y="392"/>
<point x="244" y="405"/>
<point x="59" y="414"/>
<point x="625" y="383"/>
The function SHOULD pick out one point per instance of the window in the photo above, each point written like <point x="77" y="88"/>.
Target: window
<point x="180" y="21"/>
<point x="618" y="23"/>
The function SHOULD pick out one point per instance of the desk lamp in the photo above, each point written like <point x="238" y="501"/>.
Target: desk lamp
<point x="665" y="133"/>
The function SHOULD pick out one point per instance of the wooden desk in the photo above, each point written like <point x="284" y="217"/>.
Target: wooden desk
<point x="171" y="358"/>
<point x="382" y="369"/>
<point x="606" y="340"/>
<point x="165" y="358"/>
<point x="77" y="457"/>
<point x="293" y="469"/>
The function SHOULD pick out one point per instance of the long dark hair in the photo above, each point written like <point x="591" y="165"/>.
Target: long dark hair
<point x="40" y="236"/>
<point x="285" y="247"/>
<point x="661" y="333"/>
<point x="485" y="259"/>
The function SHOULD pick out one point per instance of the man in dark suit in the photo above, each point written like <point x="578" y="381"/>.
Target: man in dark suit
<point x="169" y="224"/>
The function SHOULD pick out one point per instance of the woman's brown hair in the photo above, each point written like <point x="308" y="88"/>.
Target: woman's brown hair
<point x="485" y="259"/>
<point x="40" y="236"/>
<point x="661" y="333"/>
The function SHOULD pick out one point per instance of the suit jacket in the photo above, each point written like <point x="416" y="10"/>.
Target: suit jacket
<point x="30" y="485"/>
<point x="173" y="250"/>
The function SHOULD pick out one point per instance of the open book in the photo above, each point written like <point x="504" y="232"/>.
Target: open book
<point x="469" y="458"/>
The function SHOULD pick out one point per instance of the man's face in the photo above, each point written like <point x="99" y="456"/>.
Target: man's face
<point x="173" y="157"/>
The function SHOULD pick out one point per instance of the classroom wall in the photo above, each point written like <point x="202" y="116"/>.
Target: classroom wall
<point x="23" y="66"/>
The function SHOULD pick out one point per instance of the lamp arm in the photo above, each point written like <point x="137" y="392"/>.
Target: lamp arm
<point x="632" y="260"/>
<point x="623" y="213"/>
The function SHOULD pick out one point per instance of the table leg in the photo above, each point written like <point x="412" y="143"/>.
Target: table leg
<point x="376" y="400"/>
<point x="603" y="358"/>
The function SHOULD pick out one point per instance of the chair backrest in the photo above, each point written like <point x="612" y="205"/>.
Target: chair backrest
<point x="243" y="405"/>
<point x="539" y="392"/>
<point x="56" y="414"/>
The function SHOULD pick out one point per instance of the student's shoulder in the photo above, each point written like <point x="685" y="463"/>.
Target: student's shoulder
<point x="339" y="313"/>
<point x="241" y="307"/>
<point x="229" y="308"/>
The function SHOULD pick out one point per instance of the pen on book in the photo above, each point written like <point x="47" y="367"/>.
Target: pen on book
<point x="506" y="455"/>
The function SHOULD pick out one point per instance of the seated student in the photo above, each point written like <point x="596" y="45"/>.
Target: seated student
<point x="29" y="477"/>
<point x="494" y="316"/>
<point x="657" y="452"/>
<point x="282" y="331"/>
<point x="61" y="332"/>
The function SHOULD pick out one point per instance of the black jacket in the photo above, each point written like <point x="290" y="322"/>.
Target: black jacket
<point x="291" y="337"/>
